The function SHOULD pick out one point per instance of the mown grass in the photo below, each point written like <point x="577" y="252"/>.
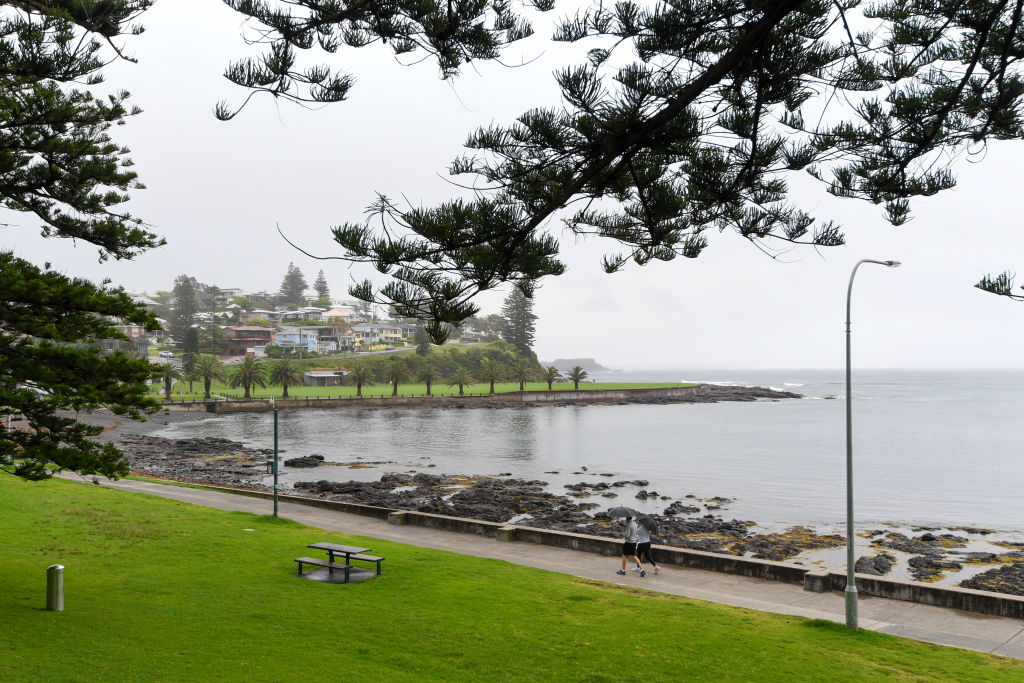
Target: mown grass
<point x="181" y="392"/>
<point x="157" y="590"/>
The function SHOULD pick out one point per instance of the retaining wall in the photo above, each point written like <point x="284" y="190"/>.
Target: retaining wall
<point x="813" y="579"/>
<point x="591" y="396"/>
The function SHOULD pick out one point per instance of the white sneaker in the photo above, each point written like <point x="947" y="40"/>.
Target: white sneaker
<point x="635" y="569"/>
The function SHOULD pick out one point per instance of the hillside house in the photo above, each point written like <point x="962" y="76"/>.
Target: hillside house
<point x="386" y="332"/>
<point x="245" y="339"/>
<point x="305" y="313"/>
<point x="294" y="339"/>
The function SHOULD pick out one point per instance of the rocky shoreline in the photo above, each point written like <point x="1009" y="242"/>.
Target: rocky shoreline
<point x="688" y="522"/>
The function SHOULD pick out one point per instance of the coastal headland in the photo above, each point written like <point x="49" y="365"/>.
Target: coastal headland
<point x="697" y="393"/>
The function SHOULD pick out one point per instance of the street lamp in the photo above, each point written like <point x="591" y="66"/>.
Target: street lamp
<point x="274" y="464"/>
<point x="851" y="584"/>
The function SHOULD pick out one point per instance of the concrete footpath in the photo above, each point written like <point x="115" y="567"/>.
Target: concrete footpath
<point x="942" y="626"/>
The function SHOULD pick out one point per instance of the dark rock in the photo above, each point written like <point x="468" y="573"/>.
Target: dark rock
<point x="305" y="461"/>
<point x="583" y="486"/>
<point x="635" y="482"/>
<point x="678" y="508"/>
<point x="876" y="565"/>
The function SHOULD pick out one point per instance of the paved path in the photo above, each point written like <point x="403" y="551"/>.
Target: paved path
<point x="998" y="635"/>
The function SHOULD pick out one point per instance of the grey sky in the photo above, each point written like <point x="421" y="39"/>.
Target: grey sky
<point x="217" y="190"/>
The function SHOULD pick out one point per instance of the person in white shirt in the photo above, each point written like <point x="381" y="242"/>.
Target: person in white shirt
<point x="629" y="538"/>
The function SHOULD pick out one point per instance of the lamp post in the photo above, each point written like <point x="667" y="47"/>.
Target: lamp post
<point x="851" y="584"/>
<point x="274" y="408"/>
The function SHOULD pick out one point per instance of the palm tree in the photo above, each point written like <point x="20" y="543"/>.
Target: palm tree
<point x="427" y="374"/>
<point x="491" y="371"/>
<point x="191" y="375"/>
<point x="285" y="372"/>
<point x="460" y="377"/>
<point x="576" y="375"/>
<point x="551" y="375"/>
<point x="169" y="372"/>
<point x="522" y="372"/>
<point x="396" y="372"/>
<point x="360" y="375"/>
<point x="209" y="369"/>
<point x="247" y="373"/>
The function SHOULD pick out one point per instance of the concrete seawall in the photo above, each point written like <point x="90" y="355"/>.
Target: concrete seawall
<point x="530" y="397"/>
<point x="811" y="578"/>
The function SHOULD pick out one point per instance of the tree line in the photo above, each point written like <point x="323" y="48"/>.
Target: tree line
<point x="489" y="364"/>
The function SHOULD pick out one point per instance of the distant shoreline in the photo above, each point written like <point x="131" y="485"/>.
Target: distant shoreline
<point x="174" y="413"/>
<point x="699" y="393"/>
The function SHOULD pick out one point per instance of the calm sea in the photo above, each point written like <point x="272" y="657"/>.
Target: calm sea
<point x="940" y="448"/>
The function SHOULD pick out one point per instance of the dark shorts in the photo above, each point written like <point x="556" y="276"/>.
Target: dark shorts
<point x="644" y="549"/>
<point x="629" y="548"/>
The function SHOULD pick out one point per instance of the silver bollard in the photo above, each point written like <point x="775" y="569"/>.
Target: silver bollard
<point x="55" y="588"/>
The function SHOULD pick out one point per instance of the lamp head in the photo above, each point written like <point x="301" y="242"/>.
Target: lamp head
<point x="891" y="264"/>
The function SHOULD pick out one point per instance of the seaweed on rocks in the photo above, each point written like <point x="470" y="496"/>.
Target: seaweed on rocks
<point x="931" y="567"/>
<point x="783" y="546"/>
<point x="1006" y="579"/>
<point x="205" y="460"/>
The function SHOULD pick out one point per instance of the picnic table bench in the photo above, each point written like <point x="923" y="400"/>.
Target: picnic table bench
<point x="331" y="566"/>
<point x="369" y="558"/>
<point x="335" y="551"/>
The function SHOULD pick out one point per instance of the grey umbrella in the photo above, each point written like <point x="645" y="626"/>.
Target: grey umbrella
<point x="649" y="524"/>
<point x="622" y="512"/>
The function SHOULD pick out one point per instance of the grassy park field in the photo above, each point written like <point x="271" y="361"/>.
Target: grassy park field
<point x="157" y="590"/>
<point x="180" y="390"/>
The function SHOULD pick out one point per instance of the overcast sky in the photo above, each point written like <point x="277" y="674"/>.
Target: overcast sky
<point x="217" y="191"/>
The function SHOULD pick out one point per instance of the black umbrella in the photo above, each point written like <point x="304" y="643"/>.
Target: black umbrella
<point x="649" y="524"/>
<point x="623" y="512"/>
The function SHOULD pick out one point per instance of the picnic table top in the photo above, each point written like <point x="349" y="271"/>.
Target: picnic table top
<point x="336" y="548"/>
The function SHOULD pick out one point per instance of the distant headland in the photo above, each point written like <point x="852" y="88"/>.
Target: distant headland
<point x="566" y="364"/>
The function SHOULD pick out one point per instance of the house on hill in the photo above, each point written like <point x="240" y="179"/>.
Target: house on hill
<point x="246" y="339"/>
<point x="386" y="332"/>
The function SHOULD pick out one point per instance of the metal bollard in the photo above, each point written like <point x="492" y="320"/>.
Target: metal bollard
<point x="55" y="588"/>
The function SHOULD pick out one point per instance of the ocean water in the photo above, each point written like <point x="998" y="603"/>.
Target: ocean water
<point x="931" y="448"/>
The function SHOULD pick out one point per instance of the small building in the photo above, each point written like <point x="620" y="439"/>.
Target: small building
<point x="323" y="378"/>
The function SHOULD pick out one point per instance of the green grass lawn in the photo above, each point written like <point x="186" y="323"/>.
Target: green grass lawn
<point x="180" y="389"/>
<point x="158" y="590"/>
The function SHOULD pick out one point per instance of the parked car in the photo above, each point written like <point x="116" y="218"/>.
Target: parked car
<point x="167" y="354"/>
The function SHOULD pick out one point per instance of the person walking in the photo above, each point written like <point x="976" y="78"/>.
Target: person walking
<point x="629" y="538"/>
<point x="643" y="549"/>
